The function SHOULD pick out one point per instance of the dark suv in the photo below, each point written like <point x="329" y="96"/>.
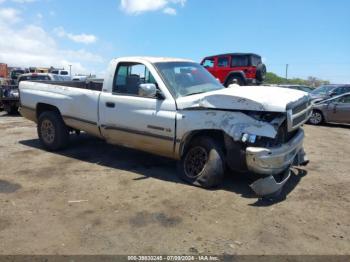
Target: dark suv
<point x="239" y="68"/>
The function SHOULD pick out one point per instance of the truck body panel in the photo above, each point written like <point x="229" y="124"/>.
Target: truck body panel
<point x="165" y="123"/>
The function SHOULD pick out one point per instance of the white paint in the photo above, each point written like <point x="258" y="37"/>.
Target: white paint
<point x="257" y="98"/>
<point x="138" y="113"/>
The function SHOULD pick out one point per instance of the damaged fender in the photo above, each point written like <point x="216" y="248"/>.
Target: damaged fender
<point x="234" y="124"/>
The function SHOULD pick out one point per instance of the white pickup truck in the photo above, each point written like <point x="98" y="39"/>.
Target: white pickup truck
<point x="175" y="108"/>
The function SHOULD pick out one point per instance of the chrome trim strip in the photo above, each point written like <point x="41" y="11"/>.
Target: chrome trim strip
<point x="137" y="132"/>
<point x="81" y="120"/>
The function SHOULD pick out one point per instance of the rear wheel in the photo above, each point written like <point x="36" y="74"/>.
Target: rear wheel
<point x="203" y="163"/>
<point x="316" y="118"/>
<point x="235" y="80"/>
<point x="11" y="110"/>
<point x="52" y="131"/>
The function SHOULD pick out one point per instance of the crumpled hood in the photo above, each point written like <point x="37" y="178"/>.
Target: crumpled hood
<point x="255" y="98"/>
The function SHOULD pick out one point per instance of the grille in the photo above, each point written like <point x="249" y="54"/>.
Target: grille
<point x="298" y="114"/>
<point x="300" y="119"/>
<point x="299" y="108"/>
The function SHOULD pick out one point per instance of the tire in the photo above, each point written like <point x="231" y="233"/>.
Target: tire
<point x="52" y="131"/>
<point x="10" y="109"/>
<point x="202" y="163"/>
<point x="316" y="118"/>
<point x="261" y="72"/>
<point x="235" y="80"/>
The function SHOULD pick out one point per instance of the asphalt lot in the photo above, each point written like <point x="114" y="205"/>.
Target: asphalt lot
<point x="94" y="198"/>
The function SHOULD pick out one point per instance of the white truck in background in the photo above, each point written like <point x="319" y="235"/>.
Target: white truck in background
<point x="175" y="108"/>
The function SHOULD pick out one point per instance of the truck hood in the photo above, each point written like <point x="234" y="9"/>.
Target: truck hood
<point x="254" y="98"/>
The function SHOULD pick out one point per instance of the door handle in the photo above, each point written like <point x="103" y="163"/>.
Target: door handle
<point x="110" y="104"/>
<point x="335" y="108"/>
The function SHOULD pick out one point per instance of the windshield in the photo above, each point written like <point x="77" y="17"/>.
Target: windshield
<point x="57" y="78"/>
<point x="306" y="89"/>
<point x="323" y="90"/>
<point x="186" y="78"/>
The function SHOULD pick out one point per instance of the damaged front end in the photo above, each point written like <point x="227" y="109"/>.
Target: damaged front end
<point x="274" y="164"/>
<point x="269" y="158"/>
<point x="261" y="126"/>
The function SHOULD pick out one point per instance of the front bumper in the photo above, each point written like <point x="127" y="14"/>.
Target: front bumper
<point x="270" y="162"/>
<point x="273" y="161"/>
<point x="268" y="185"/>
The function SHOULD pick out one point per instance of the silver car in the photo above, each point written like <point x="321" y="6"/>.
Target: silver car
<point x="334" y="110"/>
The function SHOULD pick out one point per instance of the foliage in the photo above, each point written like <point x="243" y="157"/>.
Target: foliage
<point x="272" y="78"/>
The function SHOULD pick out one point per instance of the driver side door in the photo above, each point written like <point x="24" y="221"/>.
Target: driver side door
<point x="133" y="120"/>
<point x="340" y="110"/>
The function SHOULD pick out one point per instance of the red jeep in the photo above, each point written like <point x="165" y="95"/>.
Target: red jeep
<point x="239" y="68"/>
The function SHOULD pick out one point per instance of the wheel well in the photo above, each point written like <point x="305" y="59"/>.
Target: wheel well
<point x="319" y="111"/>
<point x="235" y="74"/>
<point x="217" y="135"/>
<point x="41" y="107"/>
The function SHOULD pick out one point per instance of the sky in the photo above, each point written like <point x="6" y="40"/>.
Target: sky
<point x="312" y="36"/>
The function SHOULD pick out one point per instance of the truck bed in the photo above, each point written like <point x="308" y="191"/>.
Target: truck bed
<point x="77" y="101"/>
<point x="95" y="85"/>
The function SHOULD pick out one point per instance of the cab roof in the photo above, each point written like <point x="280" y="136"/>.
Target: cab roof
<point x="235" y="54"/>
<point x="153" y="59"/>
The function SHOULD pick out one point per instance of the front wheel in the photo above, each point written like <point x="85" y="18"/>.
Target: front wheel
<point x="316" y="118"/>
<point x="202" y="163"/>
<point x="52" y="131"/>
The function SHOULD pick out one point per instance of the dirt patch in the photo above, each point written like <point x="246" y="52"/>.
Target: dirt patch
<point x="144" y="218"/>
<point x="136" y="204"/>
<point x="27" y="153"/>
<point x="4" y="223"/>
<point x="8" y="187"/>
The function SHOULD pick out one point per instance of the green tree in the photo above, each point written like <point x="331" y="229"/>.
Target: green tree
<point x="272" y="78"/>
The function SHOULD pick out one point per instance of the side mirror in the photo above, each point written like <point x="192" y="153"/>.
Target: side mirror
<point x="147" y="90"/>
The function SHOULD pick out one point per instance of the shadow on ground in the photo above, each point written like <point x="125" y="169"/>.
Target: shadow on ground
<point x="5" y="114"/>
<point x="93" y="150"/>
<point x="7" y="187"/>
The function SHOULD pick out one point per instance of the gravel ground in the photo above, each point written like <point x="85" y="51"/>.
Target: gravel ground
<point x="94" y="198"/>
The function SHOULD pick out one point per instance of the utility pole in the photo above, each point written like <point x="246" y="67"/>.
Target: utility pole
<point x="70" y="70"/>
<point x="287" y="65"/>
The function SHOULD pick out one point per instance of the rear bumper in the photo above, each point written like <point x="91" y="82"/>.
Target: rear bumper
<point x="273" y="161"/>
<point x="252" y="81"/>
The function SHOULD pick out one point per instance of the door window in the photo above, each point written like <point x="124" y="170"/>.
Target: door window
<point x="129" y="76"/>
<point x="208" y="63"/>
<point x="223" y="61"/>
<point x="240" y="61"/>
<point x="255" y="60"/>
<point x="345" y="100"/>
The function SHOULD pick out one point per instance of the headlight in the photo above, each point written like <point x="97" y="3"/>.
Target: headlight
<point x="263" y="116"/>
<point x="14" y="93"/>
<point x="248" y="138"/>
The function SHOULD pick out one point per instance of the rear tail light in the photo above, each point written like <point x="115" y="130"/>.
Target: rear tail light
<point x="252" y="70"/>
